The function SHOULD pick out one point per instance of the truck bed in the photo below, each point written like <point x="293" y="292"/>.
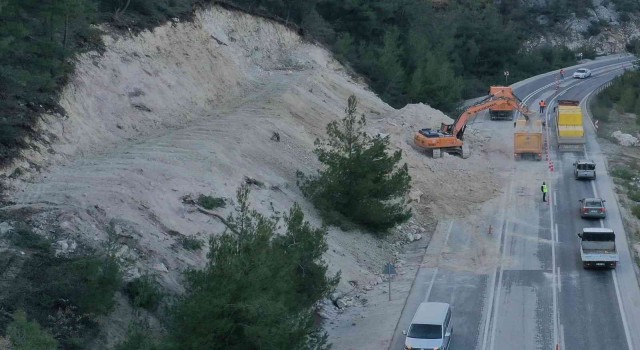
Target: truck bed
<point x="603" y="255"/>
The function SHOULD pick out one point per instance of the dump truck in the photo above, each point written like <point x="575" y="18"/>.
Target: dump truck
<point x="598" y="248"/>
<point x="502" y="110"/>
<point x="528" y="139"/>
<point x="569" y="125"/>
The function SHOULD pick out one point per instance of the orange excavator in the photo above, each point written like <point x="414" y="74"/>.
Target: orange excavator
<point x="450" y="136"/>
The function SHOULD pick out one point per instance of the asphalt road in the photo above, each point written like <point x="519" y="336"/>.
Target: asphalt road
<point x="539" y="297"/>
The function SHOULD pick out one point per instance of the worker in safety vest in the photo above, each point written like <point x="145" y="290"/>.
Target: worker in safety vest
<point x="542" y="105"/>
<point x="544" y="190"/>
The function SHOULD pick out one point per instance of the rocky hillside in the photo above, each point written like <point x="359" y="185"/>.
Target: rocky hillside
<point x="603" y="26"/>
<point x="189" y="109"/>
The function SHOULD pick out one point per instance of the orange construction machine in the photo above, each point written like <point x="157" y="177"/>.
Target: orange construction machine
<point x="450" y="136"/>
<point x="502" y="110"/>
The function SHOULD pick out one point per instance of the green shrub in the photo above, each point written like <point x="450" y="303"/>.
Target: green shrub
<point x="144" y="292"/>
<point x="138" y="338"/>
<point x="191" y="243"/>
<point x="22" y="236"/>
<point x="588" y="52"/>
<point x="601" y="113"/>
<point x="636" y="211"/>
<point x="210" y="203"/>
<point x="90" y="282"/>
<point x="634" y="195"/>
<point x="623" y="173"/>
<point x="28" y="335"/>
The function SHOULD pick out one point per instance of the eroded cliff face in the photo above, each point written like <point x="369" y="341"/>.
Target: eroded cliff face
<point x="190" y="108"/>
<point x="605" y="29"/>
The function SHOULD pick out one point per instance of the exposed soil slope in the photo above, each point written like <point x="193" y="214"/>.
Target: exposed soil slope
<point x="190" y="108"/>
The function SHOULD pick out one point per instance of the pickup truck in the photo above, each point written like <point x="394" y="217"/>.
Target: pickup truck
<point x="598" y="248"/>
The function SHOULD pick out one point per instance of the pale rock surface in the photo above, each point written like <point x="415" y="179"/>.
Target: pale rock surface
<point x="624" y="139"/>
<point x="172" y="112"/>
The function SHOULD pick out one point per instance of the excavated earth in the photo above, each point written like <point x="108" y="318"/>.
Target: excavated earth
<point x="189" y="109"/>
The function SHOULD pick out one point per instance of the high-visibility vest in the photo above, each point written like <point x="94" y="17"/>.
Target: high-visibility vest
<point x="542" y="104"/>
<point x="544" y="189"/>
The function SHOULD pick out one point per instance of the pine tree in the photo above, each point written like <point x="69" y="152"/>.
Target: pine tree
<point x="258" y="288"/>
<point x="436" y="82"/>
<point x="361" y="180"/>
<point x="391" y="77"/>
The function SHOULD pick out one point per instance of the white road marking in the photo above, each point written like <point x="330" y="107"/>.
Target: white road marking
<point x="433" y="278"/>
<point x="563" y="347"/>
<point x="559" y="284"/>
<point x="554" y="228"/>
<point x="495" y="311"/>
<point x="622" y="313"/>
<point x="446" y="240"/>
<point x="555" y="200"/>
<point x="554" y="236"/>
<point x="615" y="277"/>
<point x="435" y="272"/>
<point x="490" y="320"/>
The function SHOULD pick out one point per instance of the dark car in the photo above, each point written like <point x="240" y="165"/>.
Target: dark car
<point x="592" y="208"/>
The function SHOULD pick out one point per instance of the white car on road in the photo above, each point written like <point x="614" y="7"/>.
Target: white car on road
<point x="582" y="73"/>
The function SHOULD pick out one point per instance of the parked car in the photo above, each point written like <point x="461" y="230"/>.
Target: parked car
<point x="592" y="208"/>
<point x="584" y="169"/>
<point x="582" y="73"/>
<point x="430" y="327"/>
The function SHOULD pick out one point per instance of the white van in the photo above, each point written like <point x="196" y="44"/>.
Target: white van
<point x="430" y="328"/>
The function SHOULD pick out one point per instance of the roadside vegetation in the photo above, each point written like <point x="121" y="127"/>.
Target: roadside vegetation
<point x="627" y="178"/>
<point x="362" y="181"/>
<point x="258" y="290"/>
<point x="46" y="298"/>
<point x="622" y="97"/>
<point x="144" y="292"/>
<point x="399" y="46"/>
<point x="617" y="108"/>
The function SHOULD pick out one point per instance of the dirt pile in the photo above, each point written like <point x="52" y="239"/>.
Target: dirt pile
<point x="190" y="108"/>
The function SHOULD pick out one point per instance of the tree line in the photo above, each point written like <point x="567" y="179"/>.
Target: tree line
<point x="622" y="96"/>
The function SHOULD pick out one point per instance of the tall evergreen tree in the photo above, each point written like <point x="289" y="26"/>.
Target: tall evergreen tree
<point x="258" y="289"/>
<point x="361" y="179"/>
<point x="435" y="81"/>
<point x="391" y="75"/>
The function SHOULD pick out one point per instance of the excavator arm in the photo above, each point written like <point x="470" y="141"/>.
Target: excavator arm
<point x="457" y="128"/>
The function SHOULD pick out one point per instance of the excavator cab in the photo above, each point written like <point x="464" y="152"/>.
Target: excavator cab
<point x="446" y="128"/>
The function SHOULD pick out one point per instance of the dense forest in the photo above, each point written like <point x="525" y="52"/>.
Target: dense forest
<point x="621" y="97"/>
<point x="434" y="51"/>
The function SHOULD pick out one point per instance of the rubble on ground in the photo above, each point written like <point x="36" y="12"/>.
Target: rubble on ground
<point x="624" y="139"/>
